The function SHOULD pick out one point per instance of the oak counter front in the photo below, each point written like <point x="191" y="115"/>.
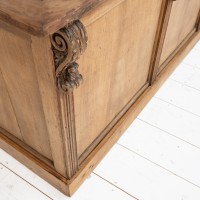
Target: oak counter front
<point x="74" y="74"/>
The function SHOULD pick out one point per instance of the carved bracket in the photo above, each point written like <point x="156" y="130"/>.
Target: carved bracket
<point x="68" y="44"/>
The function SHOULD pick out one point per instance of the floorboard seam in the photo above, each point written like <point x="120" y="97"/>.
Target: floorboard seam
<point x="177" y="106"/>
<point x="185" y="84"/>
<point x="26" y="181"/>
<point x="158" y="165"/>
<point x="166" y="132"/>
<point x="115" y="186"/>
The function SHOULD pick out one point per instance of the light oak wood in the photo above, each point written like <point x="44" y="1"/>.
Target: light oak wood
<point x="182" y="22"/>
<point x="34" y="95"/>
<point x="99" y="11"/>
<point x="160" y="38"/>
<point x="44" y="67"/>
<point x="111" y="80"/>
<point x="66" y="98"/>
<point x="21" y="82"/>
<point x="45" y="17"/>
<point x="8" y="120"/>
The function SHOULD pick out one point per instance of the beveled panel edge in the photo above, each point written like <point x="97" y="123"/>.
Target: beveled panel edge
<point x="186" y="39"/>
<point x="162" y="66"/>
<point x="160" y="41"/>
<point x="107" y="129"/>
<point x="160" y="37"/>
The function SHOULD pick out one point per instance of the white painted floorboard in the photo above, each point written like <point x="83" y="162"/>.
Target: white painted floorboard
<point x="143" y="179"/>
<point x="158" y="158"/>
<point x="172" y="120"/>
<point x="94" y="187"/>
<point x="187" y="75"/>
<point x="163" y="149"/>
<point x="193" y="58"/>
<point x="181" y="96"/>
<point x="12" y="187"/>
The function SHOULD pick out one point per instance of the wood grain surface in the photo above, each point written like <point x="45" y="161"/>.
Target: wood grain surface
<point x="182" y="21"/>
<point x="17" y="68"/>
<point x="43" y="17"/>
<point x="8" y="120"/>
<point x="118" y="68"/>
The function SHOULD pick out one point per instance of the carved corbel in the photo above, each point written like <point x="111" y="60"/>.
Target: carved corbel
<point x="68" y="44"/>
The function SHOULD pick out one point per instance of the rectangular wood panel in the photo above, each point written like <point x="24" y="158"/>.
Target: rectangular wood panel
<point x="115" y="66"/>
<point x="17" y="67"/>
<point x="182" y="22"/>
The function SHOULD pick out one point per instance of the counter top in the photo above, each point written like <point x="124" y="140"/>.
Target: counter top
<point x="43" y="17"/>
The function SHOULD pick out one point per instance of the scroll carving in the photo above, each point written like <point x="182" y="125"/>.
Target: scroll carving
<point x="68" y="44"/>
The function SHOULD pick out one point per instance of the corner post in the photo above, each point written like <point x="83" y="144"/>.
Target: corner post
<point x="68" y="44"/>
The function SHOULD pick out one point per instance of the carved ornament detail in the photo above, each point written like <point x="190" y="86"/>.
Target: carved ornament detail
<point x="68" y="44"/>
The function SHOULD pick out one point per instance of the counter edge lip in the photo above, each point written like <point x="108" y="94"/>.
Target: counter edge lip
<point x="44" y="28"/>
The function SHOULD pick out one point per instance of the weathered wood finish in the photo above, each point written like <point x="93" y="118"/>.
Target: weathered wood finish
<point x="21" y="83"/>
<point x="44" y="17"/>
<point x="45" y="70"/>
<point x="160" y="37"/>
<point x="57" y="127"/>
<point x="29" y="80"/>
<point x="108" y="74"/>
<point x="68" y="44"/>
<point x="182" y="22"/>
<point x="8" y="120"/>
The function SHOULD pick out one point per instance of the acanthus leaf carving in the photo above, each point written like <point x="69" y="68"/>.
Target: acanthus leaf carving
<point x="68" y="44"/>
<point x="69" y="78"/>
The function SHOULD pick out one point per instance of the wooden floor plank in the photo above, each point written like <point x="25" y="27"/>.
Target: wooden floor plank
<point x="12" y="187"/>
<point x="166" y="151"/>
<point x="181" y="96"/>
<point x="94" y="187"/>
<point x="187" y="75"/>
<point x="173" y="120"/>
<point x="193" y="58"/>
<point x="197" y="46"/>
<point x="3" y="172"/>
<point x="143" y="179"/>
<point x="7" y="160"/>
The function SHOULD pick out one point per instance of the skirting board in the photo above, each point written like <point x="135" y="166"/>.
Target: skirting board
<point x="68" y="187"/>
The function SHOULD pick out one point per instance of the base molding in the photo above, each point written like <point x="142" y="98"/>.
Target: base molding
<point x="68" y="187"/>
<point x="34" y="163"/>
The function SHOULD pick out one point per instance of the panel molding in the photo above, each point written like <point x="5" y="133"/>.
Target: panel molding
<point x="160" y="38"/>
<point x="107" y="129"/>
